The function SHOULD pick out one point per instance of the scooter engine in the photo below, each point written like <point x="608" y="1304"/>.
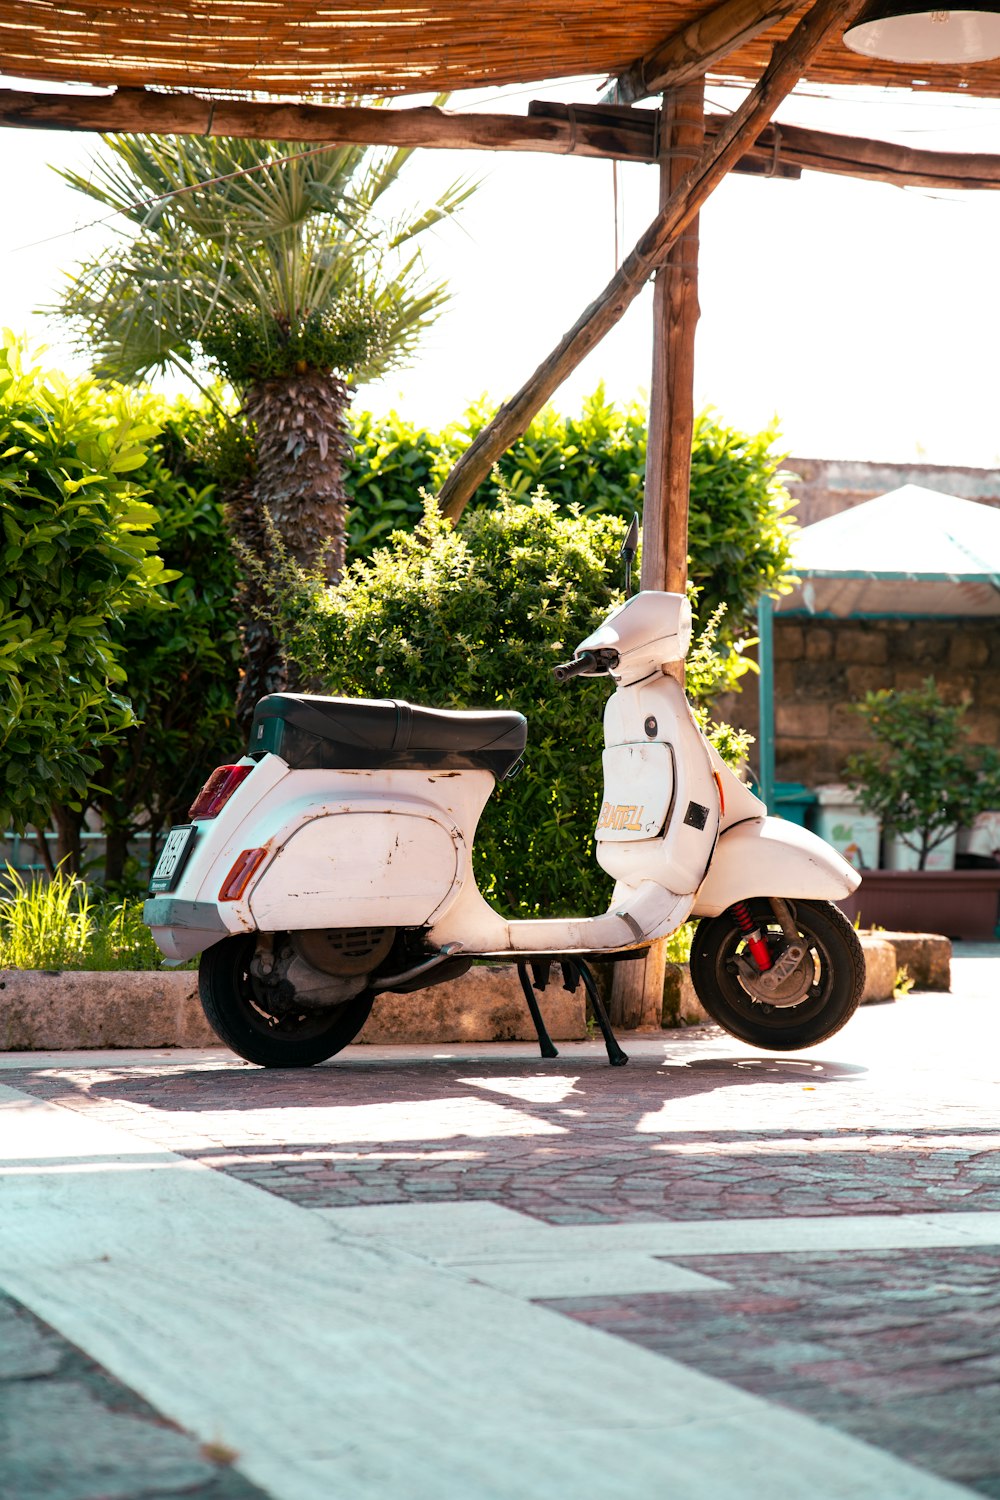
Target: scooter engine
<point x="316" y="969"/>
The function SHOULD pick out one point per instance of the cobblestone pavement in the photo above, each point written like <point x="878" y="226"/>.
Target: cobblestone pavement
<point x="899" y="1348"/>
<point x="488" y="1153"/>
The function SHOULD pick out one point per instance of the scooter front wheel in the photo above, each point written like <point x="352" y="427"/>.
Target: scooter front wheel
<point x="293" y="1039"/>
<point x="833" y="976"/>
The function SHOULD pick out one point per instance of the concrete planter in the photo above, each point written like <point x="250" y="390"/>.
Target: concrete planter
<point x="956" y="903"/>
<point x="485" y="1005"/>
<point x="67" y="1012"/>
<point x="76" y="1011"/>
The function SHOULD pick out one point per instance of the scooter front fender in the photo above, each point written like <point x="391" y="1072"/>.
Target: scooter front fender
<point x="772" y="857"/>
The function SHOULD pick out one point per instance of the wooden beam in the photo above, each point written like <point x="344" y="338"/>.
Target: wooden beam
<point x="570" y="130"/>
<point x="691" y="52"/>
<point x="788" y="62"/>
<point x="877" y="161"/>
<point x="589" y="115"/>
<point x="629" y="135"/>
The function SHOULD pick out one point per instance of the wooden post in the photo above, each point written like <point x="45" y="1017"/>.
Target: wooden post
<point x="671" y="401"/>
<point x="637" y="986"/>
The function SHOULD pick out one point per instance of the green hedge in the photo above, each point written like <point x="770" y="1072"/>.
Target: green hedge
<point x="78" y="560"/>
<point x="739" y="528"/>
<point x="181" y="658"/>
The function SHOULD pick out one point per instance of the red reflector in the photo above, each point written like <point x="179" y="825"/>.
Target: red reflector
<point x="217" y="791"/>
<point x="242" y="873"/>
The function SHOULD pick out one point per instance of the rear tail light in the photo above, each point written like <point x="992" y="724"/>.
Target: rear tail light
<point x="217" y="791"/>
<point x="242" y="873"/>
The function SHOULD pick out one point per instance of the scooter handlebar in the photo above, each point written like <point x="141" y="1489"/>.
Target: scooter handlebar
<point x="590" y="663"/>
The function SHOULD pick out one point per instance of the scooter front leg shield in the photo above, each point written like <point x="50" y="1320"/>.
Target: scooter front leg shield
<point x="772" y="857"/>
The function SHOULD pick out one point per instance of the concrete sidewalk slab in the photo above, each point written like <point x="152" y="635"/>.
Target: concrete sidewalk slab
<point x="362" y="1371"/>
<point x="461" y="1271"/>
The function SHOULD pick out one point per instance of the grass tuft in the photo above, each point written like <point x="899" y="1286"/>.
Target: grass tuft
<point x="57" y="924"/>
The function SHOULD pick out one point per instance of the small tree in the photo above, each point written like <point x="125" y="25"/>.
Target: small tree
<point x="280" y="266"/>
<point x="476" y="618"/>
<point x="78" y="557"/>
<point x="921" y="779"/>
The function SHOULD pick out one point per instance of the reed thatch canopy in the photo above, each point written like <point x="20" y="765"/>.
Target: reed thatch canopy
<point x="311" y="48"/>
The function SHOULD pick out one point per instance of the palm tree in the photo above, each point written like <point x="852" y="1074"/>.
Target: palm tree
<point x="275" y="265"/>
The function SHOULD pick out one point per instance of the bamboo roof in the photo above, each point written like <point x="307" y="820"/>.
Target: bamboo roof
<point x="308" y="48"/>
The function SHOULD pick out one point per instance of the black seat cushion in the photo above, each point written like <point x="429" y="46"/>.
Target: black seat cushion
<point x="359" y="734"/>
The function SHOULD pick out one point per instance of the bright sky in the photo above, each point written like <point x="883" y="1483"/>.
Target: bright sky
<point x="866" y="317"/>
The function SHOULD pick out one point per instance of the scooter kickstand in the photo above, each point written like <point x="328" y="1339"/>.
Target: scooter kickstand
<point x="616" y="1057"/>
<point x="545" y="1043"/>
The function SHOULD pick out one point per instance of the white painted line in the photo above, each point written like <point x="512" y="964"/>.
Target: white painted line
<point x="586" y="1276"/>
<point x="338" y="1368"/>
<point x="463" y="1234"/>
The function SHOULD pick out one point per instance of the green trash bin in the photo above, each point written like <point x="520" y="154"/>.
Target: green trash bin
<point x="792" y="800"/>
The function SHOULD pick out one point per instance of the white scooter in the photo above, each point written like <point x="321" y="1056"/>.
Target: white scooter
<point x="334" y="863"/>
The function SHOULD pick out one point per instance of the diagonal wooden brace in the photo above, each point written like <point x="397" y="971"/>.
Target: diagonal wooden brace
<point x="788" y="62"/>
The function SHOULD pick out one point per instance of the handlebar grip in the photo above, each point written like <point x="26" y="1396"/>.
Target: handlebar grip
<point x="585" y="662"/>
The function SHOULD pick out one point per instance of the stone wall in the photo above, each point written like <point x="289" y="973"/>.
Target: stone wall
<point x="823" y="666"/>
<point x="825" y="486"/>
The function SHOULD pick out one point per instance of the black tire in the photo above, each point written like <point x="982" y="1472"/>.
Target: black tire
<point x="293" y="1040"/>
<point x="830" y="1002"/>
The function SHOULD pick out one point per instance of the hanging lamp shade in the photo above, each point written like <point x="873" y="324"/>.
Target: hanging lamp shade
<point x="912" y="31"/>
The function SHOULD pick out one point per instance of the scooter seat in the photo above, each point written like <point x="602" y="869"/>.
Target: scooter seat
<point x="360" y="734"/>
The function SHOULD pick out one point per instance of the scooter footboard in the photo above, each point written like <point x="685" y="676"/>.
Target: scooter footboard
<point x="772" y="857"/>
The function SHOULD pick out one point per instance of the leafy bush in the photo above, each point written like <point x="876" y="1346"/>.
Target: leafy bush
<point x="921" y="779"/>
<point x="78" y="556"/>
<point x="476" y="617"/>
<point x="181" y="663"/>
<point x="56" y="924"/>
<point x="739" y="529"/>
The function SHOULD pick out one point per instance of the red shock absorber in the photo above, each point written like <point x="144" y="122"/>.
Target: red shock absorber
<point x="756" y="942"/>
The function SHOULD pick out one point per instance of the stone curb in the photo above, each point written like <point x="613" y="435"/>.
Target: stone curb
<point x="42" y="1011"/>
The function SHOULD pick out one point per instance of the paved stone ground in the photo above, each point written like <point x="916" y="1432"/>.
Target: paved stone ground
<point x="68" y="1431"/>
<point x="900" y="1348"/>
<point x="898" y="1115"/>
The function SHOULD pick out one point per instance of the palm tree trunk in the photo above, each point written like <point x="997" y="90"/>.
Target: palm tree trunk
<point x="263" y="668"/>
<point x="302" y="445"/>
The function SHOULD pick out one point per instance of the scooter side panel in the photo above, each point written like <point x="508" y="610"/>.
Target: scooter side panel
<point x="361" y="868"/>
<point x="268" y="809"/>
<point x="772" y="857"/>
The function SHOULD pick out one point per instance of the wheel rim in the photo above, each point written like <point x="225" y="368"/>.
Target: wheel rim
<point x="758" y="1012"/>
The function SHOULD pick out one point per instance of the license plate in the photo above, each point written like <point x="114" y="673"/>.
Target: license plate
<point x="174" y="856"/>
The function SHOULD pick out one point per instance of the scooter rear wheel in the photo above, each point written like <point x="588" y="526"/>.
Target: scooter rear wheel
<point x="831" y="999"/>
<point x="295" y="1039"/>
